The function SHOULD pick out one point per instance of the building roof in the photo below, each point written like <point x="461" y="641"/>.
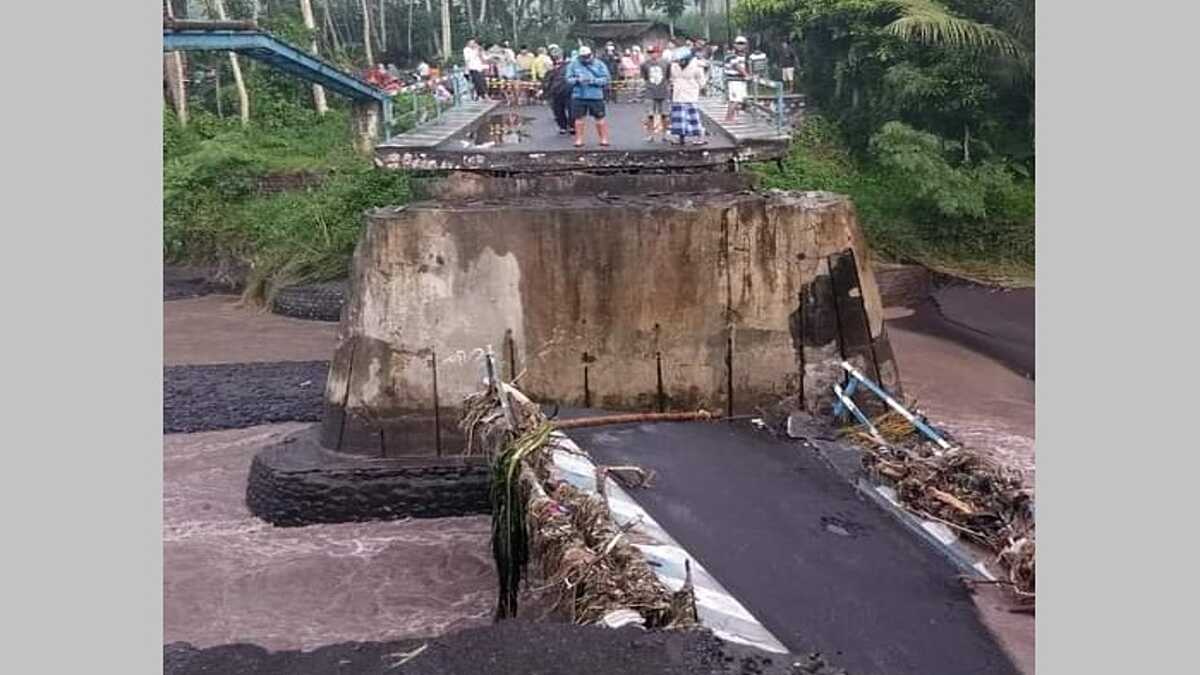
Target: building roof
<point x="620" y="30"/>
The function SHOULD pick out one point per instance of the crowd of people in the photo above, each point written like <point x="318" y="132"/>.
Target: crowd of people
<point x="668" y="78"/>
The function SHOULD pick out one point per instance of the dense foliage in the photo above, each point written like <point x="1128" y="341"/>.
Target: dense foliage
<point x="213" y="212"/>
<point x="925" y="119"/>
<point x="927" y="107"/>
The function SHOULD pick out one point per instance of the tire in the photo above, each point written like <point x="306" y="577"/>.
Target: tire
<point x="313" y="302"/>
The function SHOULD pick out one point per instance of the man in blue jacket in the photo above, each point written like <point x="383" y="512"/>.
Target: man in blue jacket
<point x="588" y="77"/>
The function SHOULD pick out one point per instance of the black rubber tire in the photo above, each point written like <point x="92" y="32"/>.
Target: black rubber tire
<point x="314" y="302"/>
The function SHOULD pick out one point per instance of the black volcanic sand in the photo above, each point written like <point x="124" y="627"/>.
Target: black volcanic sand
<point x="512" y="647"/>
<point x="995" y="322"/>
<point x="239" y="395"/>
<point x="182" y="282"/>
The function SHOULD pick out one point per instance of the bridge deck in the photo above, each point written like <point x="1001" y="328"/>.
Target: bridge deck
<point x="499" y="138"/>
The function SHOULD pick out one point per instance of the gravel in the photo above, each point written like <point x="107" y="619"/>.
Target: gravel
<point x="238" y="395"/>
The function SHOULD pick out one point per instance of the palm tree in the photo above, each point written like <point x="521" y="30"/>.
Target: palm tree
<point x="930" y="22"/>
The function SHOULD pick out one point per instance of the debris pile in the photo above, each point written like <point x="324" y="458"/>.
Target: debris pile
<point x="582" y="555"/>
<point x="964" y="490"/>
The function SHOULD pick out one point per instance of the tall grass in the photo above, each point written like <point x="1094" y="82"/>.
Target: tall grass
<point x="213" y="214"/>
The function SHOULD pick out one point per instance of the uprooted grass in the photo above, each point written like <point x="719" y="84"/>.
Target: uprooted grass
<point x="583" y="556"/>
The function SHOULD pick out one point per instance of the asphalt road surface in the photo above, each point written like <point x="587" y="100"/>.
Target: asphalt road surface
<point x="821" y="568"/>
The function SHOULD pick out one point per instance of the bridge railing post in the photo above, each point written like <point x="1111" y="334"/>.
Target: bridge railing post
<point x="779" y="111"/>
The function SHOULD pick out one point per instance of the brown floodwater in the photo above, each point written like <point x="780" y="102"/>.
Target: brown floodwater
<point x="502" y="129"/>
<point x="229" y="577"/>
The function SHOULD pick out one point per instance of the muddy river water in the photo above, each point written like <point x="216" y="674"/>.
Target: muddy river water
<point x="229" y="577"/>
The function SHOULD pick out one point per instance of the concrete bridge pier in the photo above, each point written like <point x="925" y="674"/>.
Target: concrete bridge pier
<point x="632" y="278"/>
<point x="366" y="122"/>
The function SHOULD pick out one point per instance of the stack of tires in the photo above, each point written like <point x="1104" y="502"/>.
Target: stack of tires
<point x="313" y="302"/>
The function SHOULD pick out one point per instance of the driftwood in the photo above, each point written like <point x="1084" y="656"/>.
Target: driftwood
<point x="962" y="489"/>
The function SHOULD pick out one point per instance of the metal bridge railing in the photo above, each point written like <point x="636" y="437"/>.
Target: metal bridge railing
<point x="418" y="106"/>
<point x="776" y="113"/>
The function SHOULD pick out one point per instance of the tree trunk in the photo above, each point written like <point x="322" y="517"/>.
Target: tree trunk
<point x="243" y="95"/>
<point x="707" y="19"/>
<point x="411" y="4"/>
<point x="366" y="15"/>
<point x="176" y="84"/>
<point x="311" y="24"/>
<point x="482" y="12"/>
<point x="333" y="35"/>
<point x="217" y="87"/>
<point x="470" y="16"/>
<point x="966" y="144"/>
<point x="728" y="24"/>
<point x="382" y="32"/>
<point x="447" y="45"/>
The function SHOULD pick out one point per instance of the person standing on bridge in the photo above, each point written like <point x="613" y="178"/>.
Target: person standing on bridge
<point x="687" y="78"/>
<point x="473" y="60"/>
<point x="558" y="92"/>
<point x="588" y="77"/>
<point x="787" y="63"/>
<point x="542" y="63"/>
<point x="737" y="71"/>
<point x="657" y="75"/>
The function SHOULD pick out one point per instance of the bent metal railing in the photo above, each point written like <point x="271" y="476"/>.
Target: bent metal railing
<point x="244" y="37"/>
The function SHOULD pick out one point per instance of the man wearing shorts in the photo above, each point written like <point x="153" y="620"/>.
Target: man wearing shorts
<point x="588" y="78"/>
<point x="787" y="62"/>
<point x="656" y="74"/>
<point x="736" y="73"/>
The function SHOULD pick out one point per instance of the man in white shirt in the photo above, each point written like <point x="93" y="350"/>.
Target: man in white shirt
<point x="473" y="61"/>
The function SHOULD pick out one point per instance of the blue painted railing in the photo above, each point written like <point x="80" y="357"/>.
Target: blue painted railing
<point x="270" y="50"/>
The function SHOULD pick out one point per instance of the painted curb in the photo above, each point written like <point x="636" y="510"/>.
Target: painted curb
<point x="718" y="610"/>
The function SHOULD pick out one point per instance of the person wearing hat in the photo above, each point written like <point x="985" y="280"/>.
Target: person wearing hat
<point x="656" y="73"/>
<point x="588" y="77"/>
<point x="736" y="73"/>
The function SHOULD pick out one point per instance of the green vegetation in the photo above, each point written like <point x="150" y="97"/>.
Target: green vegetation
<point x="915" y="203"/>
<point x="926" y="121"/>
<point x="213" y="212"/>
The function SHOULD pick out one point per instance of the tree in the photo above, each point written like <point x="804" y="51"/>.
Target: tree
<point x="447" y="47"/>
<point x="218" y="6"/>
<point x="173" y="72"/>
<point x="309" y="23"/>
<point x="330" y="28"/>
<point x="366" y="20"/>
<point x="672" y="8"/>
<point x="382" y="32"/>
